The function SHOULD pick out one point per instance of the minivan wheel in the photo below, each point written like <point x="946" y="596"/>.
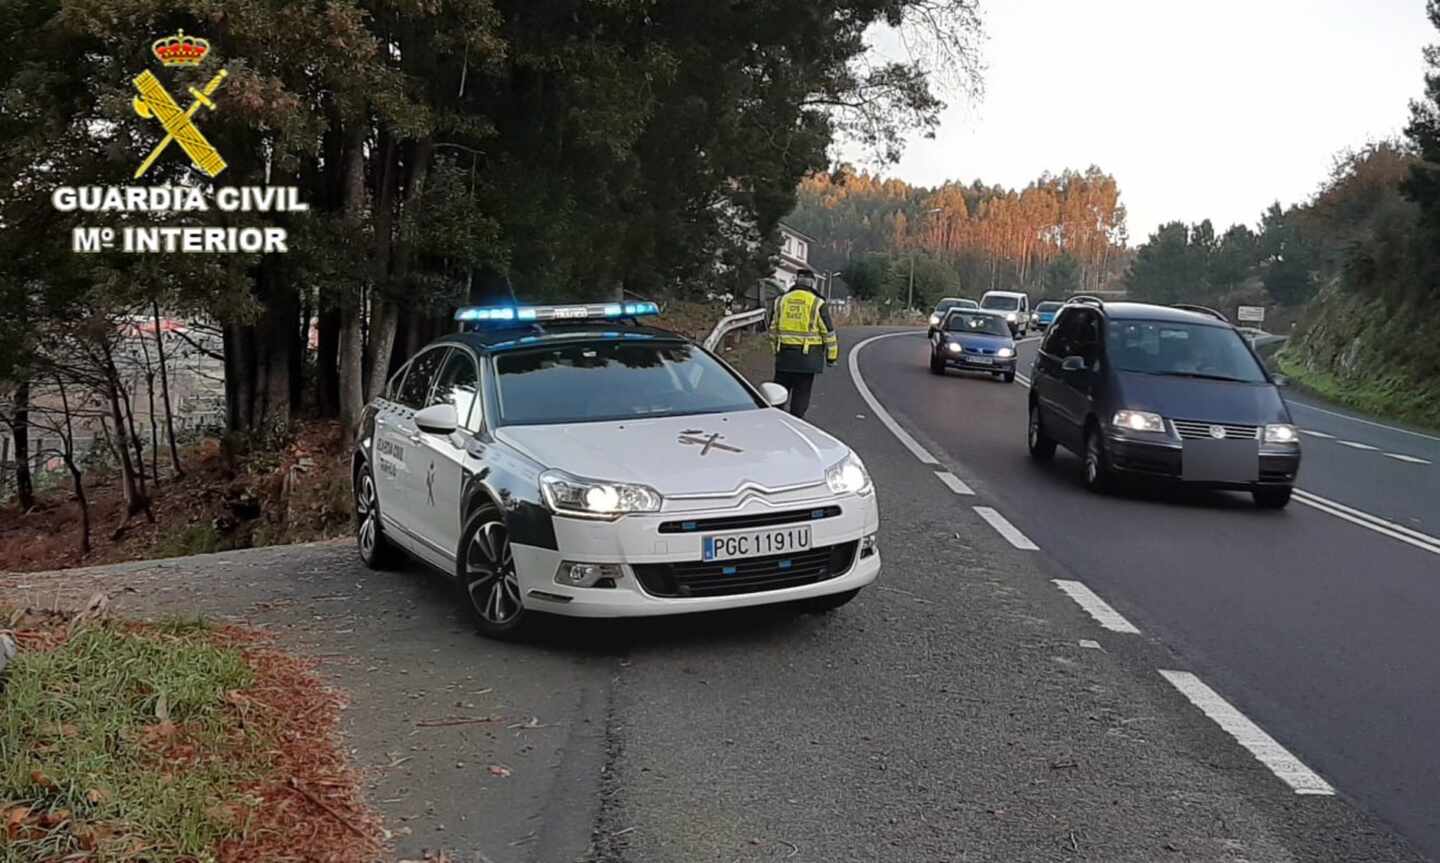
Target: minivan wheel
<point x="488" y="585"/>
<point x="1097" y="469"/>
<point x="1042" y="448"/>
<point x="1271" y="498"/>
<point x="376" y="552"/>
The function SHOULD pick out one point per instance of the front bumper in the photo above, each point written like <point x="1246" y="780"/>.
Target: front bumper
<point x="1164" y="460"/>
<point x="967" y="362"/>
<point x="636" y="541"/>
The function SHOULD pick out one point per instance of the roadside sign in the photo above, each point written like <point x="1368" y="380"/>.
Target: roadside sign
<point x="1251" y="314"/>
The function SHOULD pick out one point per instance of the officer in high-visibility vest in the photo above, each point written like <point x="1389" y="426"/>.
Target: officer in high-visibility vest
<point x="804" y="340"/>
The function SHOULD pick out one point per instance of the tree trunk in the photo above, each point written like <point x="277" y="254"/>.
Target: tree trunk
<point x="327" y="352"/>
<point x="351" y="348"/>
<point x="275" y="334"/>
<point x="134" y="435"/>
<point x="76" y="478"/>
<point x="150" y="394"/>
<point x="165" y="392"/>
<point x="135" y="500"/>
<point x="24" y="485"/>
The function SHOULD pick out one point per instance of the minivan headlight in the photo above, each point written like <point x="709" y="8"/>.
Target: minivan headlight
<point x="848" y="477"/>
<point x="1281" y="433"/>
<point x="593" y="498"/>
<point x="1140" y="421"/>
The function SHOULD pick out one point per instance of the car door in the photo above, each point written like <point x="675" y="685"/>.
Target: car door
<point x="1048" y="378"/>
<point x="1078" y="385"/>
<point x="403" y="442"/>
<point x="443" y="456"/>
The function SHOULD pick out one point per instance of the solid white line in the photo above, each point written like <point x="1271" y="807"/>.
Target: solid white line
<point x="1011" y="533"/>
<point x="1409" y="459"/>
<point x="1374" y="522"/>
<point x="1353" y="445"/>
<point x="1318" y="434"/>
<point x="889" y="422"/>
<point x="956" y="484"/>
<point x="1359" y="420"/>
<point x="1266" y="750"/>
<point x="1096" y="607"/>
<point x="1024" y="381"/>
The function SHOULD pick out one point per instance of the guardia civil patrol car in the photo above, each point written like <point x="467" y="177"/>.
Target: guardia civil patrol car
<point x="567" y="459"/>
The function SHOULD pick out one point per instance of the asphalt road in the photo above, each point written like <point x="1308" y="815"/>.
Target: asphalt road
<point x="963" y="708"/>
<point x="1318" y="623"/>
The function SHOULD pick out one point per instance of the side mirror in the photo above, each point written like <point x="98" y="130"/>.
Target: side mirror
<point x="1073" y="364"/>
<point x="437" y="419"/>
<point x="774" y="394"/>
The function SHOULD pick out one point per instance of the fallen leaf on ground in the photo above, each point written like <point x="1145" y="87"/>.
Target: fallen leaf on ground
<point x="14" y="817"/>
<point x="39" y="778"/>
<point x="499" y="770"/>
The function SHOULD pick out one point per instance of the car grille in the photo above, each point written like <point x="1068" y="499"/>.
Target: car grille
<point x="1197" y="430"/>
<point x="748" y="575"/>
<point x="988" y="351"/>
<point x="759" y="519"/>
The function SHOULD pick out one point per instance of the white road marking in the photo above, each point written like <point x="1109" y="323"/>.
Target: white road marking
<point x="1309" y="407"/>
<point x="1024" y="381"/>
<point x="956" y="484"/>
<point x="1353" y="445"/>
<point x="1266" y="750"/>
<point x="1319" y="434"/>
<point x="900" y="434"/>
<point x="1011" y="533"/>
<point x="1096" y="607"/>
<point x="1089" y="644"/>
<point x="1422" y="541"/>
<point x="1408" y="459"/>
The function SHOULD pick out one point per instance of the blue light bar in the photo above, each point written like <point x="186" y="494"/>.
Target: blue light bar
<point x="584" y="312"/>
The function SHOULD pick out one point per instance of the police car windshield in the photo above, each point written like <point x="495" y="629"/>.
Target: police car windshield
<point x="990" y="325"/>
<point x="1181" y="350"/>
<point x="606" y="380"/>
<point x="1004" y="304"/>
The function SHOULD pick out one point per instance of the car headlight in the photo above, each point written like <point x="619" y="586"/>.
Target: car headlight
<point x="934" y="320"/>
<point x="1035" y="317"/>
<point x="848" y="477"/>
<point x="1281" y="433"/>
<point x="1142" y="421"/>
<point x="1005" y="353"/>
<point x="1011" y="317"/>
<point x="592" y="498"/>
<point x="952" y="347"/>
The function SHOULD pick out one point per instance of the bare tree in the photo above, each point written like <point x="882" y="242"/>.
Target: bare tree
<point x="165" y="390"/>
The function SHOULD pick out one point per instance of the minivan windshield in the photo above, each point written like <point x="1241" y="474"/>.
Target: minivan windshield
<point x="990" y="325"/>
<point x="1004" y="304"/>
<point x="595" y="381"/>
<point x="1181" y="350"/>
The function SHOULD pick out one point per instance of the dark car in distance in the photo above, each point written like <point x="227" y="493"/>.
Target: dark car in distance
<point x="1156" y="392"/>
<point x="974" y="340"/>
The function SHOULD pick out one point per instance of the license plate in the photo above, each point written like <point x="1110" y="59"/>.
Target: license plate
<point x="757" y="543"/>
<point x="981" y="361"/>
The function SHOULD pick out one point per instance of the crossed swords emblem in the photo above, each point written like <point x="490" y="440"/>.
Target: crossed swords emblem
<point x="692" y="437"/>
<point x="155" y="101"/>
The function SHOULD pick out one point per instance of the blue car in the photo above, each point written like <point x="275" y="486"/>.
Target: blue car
<point x="974" y="340"/>
<point x="1044" y="315"/>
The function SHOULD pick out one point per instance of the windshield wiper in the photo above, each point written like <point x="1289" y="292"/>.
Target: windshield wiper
<point x="1200" y="375"/>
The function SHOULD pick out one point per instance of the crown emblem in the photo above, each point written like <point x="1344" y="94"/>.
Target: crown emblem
<point x="180" y="50"/>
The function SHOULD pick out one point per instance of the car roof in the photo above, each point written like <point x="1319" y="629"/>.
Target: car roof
<point x="492" y="340"/>
<point x="989" y="313"/>
<point x="953" y="300"/>
<point x="1006" y="294"/>
<point x="1149" y="312"/>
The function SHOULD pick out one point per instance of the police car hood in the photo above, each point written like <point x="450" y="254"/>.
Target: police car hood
<point x="703" y="453"/>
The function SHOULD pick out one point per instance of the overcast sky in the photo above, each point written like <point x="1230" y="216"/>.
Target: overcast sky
<point x="1200" y="108"/>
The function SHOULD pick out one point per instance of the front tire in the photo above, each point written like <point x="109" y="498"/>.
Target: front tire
<point x="376" y="552"/>
<point x="937" y="365"/>
<point x="1098" y="478"/>
<point x="1271" y="498"/>
<point x="487" y="583"/>
<point x="1042" y="448"/>
<point x="1009" y="377"/>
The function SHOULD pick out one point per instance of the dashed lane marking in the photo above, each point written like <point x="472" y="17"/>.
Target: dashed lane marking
<point x="1096" y="607"/>
<point x="1356" y="445"/>
<point x="954" y="482"/>
<point x="1319" y="434"/>
<point x="1003" y="526"/>
<point x="1408" y="459"/>
<point x="1310" y="407"/>
<point x="1266" y="750"/>
<point x="901" y="435"/>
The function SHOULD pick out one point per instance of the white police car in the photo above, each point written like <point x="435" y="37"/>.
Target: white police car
<point x="565" y="459"/>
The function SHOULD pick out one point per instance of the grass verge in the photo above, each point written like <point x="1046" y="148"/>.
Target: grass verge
<point x="169" y="742"/>
<point x="1386" y="397"/>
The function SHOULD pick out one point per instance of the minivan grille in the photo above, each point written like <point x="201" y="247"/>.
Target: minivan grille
<point x="1197" y="430"/>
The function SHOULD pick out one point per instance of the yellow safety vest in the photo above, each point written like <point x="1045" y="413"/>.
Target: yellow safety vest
<point x="796" y="322"/>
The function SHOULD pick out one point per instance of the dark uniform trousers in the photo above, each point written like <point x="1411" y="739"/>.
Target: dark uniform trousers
<point x="799" y="385"/>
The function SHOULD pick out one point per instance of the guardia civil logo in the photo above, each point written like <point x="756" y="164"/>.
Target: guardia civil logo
<point x="156" y="102"/>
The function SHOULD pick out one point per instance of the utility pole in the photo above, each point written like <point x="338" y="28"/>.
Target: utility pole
<point x="910" y="300"/>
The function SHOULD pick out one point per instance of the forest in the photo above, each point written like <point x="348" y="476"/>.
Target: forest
<point x="448" y="150"/>
<point x="1059" y="235"/>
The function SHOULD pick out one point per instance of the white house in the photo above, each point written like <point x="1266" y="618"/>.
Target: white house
<point x="794" y="255"/>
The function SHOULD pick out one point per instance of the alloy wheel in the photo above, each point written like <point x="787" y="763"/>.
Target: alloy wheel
<point x="366" y="512"/>
<point x="490" y="578"/>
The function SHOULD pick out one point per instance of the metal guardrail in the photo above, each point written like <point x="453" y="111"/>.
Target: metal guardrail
<point x="731" y="323"/>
